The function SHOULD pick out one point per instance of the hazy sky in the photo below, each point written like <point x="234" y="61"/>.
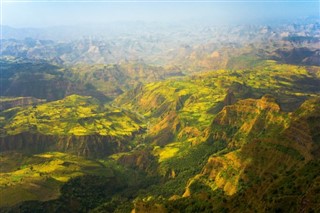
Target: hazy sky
<point x="57" y="12"/>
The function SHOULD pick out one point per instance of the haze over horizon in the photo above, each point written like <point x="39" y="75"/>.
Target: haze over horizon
<point x="57" y="13"/>
<point x="159" y="106"/>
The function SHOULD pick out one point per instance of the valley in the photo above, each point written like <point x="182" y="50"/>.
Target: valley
<point x="200" y="122"/>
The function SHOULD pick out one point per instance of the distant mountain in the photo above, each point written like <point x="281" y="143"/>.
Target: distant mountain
<point x="298" y="56"/>
<point x="40" y="79"/>
<point x="189" y="47"/>
<point x="50" y="81"/>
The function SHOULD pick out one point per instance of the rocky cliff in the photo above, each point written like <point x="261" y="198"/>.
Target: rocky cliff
<point x="88" y="145"/>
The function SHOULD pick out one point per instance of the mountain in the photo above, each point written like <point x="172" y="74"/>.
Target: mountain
<point x="191" y="47"/>
<point x="182" y="107"/>
<point x="298" y="56"/>
<point x="189" y="141"/>
<point x="40" y="79"/>
<point x="188" y="118"/>
<point x="44" y="80"/>
<point x="265" y="169"/>
<point x="259" y="167"/>
<point x="76" y="124"/>
<point x="7" y="102"/>
<point x="114" y="79"/>
<point x="251" y="161"/>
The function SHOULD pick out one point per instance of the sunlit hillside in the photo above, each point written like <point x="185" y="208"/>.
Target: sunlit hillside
<point x="159" y="107"/>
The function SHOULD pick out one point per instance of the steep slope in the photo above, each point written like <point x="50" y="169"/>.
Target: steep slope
<point x="263" y="170"/>
<point x="40" y="79"/>
<point x="181" y="108"/>
<point x="76" y="124"/>
<point x="11" y="102"/>
<point x="40" y="176"/>
<point x="248" y="119"/>
<point x="176" y="108"/>
<point x="113" y="79"/>
<point x="45" y="80"/>
<point x="303" y="56"/>
<point x="207" y="142"/>
<point x="245" y="123"/>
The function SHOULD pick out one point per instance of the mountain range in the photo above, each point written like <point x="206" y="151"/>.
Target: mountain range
<point x="187" y="119"/>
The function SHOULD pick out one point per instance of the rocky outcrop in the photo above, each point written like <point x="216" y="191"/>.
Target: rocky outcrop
<point x="141" y="159"/>
<point x="229" y="99"/>
<point x="164" y="131"/>
<point x="241" y="122"/>
<point x="254" y="167"/>
<point x="235" y="92"/>
<point x="142" y="207"/>
<point x="304" y="128"/>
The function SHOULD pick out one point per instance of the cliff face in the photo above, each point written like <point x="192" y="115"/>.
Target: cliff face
<point x="297" y="56"/>
<point x="304" y="129"/>
<point x="246" y="119"/>
<point x="140" y="159"/>
<point x="76" y="124"/>
<point x="18" y="102"/>
<point x="49" y="89"/>
<point x="264" y="163"/>
<point x="41" y="80"/>
<point x="89" y="146"/>
<point x="229" y="99"/>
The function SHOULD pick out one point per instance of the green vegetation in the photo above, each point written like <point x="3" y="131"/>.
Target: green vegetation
<point x="180" y="109"/>
<point x="113" y="79"/>
<point x="200" y="143"/>
<point x="39" y="177"/>
<point x="74" y="115"/>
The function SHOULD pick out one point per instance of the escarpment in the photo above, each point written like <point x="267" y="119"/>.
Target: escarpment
<point x="77" y="124"/>
<point x="8" y="103"/>
<point x="87" y="145"/>
<point x="247" y="118"/>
